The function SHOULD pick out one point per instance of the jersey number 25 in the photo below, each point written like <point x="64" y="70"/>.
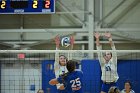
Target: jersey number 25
<point x="76" y="83"/>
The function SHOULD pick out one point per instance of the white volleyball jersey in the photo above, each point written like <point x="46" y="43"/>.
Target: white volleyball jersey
<point x="124" y="91"/>
<point x="109" y="70"/>
<point x="59" y="70"/>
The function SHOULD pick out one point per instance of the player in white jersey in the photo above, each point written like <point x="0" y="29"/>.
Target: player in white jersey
<point x="108" y="62"/>
<point x="127" y="87"/>
<point x="59" y="66"/>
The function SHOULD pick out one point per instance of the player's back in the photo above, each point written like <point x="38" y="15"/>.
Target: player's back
<point x="74" y="82"/>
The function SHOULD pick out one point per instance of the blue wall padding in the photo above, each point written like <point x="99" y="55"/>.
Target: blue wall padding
<point x="92" y="76"/>
<point x="47" y="74"/>
<point x="127" y="69"/>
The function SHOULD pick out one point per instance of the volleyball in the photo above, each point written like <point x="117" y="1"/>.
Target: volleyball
<point x="65" y="41"/>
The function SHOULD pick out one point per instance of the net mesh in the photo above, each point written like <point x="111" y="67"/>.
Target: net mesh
<point x="25" y="74"/>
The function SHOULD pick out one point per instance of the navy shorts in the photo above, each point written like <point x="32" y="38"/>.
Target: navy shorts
<point x="106" y="86"/>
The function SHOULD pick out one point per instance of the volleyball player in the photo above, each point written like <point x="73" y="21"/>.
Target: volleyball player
<point x="59" y="66"/>
<point x="108" y="62"/>
<point x="127" y="87"/>
<point x="72" y="81"/>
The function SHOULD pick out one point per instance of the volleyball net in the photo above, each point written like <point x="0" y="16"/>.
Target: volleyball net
<point x="23" y="71"/>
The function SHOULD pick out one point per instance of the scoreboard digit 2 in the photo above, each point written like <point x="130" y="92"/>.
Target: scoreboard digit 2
<point x="27" y="6"/>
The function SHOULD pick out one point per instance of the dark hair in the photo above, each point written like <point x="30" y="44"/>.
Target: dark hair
<point x="128" y="81"/>
<point x="71" y="65"/>
<point x="114" y="89"/>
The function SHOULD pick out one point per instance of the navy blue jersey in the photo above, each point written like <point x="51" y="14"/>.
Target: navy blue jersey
<point x="73" y="82"/>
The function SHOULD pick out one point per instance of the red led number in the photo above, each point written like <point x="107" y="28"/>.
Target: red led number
<point x="47" y="4"/>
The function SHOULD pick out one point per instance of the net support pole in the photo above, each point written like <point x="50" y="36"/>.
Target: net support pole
<point x="91" y="28"/>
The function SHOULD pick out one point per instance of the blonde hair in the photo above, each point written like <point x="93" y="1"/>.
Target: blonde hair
<point x="114" y="90"/>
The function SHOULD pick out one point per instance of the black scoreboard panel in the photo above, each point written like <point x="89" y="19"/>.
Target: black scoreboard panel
<point x="27" y="6"/>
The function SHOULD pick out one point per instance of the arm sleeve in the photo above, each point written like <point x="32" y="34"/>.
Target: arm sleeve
<point x="100" y="55"/>
<point x="57" y="73"/>
<point x="114" y="54"/>
<point x="56" y="64"/>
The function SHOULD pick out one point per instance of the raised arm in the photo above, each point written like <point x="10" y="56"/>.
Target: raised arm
<point x="97" y="36"/>
<point x="71" y="42"/>
<point x="114" y="54"/>
<point x="98" y="46"/>
<point x="57" y="41"/>
<point x="108" y="35"/>
<point x="56" y="64"/>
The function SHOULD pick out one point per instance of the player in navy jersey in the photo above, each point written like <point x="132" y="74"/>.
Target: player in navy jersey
<point x="72" y="80"/>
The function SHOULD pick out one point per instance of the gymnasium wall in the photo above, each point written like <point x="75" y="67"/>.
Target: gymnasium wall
<point x="29" y="77"/>
<point x="120" y="18"/>
<point x="130" y="19"/>
<point x="127" y="70"/>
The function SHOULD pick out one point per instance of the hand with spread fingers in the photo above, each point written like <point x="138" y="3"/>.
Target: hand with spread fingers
<point x="57" y="41"/>
<point x="97" y="35"/>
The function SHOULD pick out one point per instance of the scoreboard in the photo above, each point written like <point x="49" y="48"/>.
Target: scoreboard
<point x="27" y="6"/>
